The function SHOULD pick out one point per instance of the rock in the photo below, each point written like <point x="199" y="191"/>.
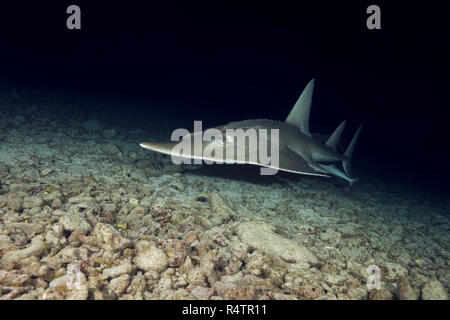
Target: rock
<point x="151" y="275"/>
<point x="138" y="211"/>
<point x="46" y="171"/>
<point x="180" y="294"/>
<point x="282" y="296"/>
<point x="208" y="265"/>
<point x="164" y="286"/>
<point x="92" y="125"/>
<point x="309" y="291"/>
<point x="405" y="291"/>
<point x="176" y="184"/>
<point x="176" y="251"/>
<point x="73" y="221"/>
<point x="13" y="278"/>
<point x="137" y="285"/>
<point x="358" y="293"/>
<point x="32" y="202"/>
<point x="36" y="248"/>
<point x="433" y="290"/>
<point x="133" y="202"/>
<point x="234" y="291"/>
<point x="397" y="232"/>
<point x="109" y="133"/>
<point x="123" y="268"/>
<point x="239" y="249"/>
<point x="195" y="276"/>
<point x="119" y="285"/>
<point x="233" y="267"/>
<point x="133" y="155"/>
<point x="15" y="202"/>
<point x="222" y="213"/>
<point x="149" y="257"/>
<point x="52" y="196"/>
<point x="74" y="238"/>
<point x="104" y="233"/>
<point x="80" y="199"/>
<point x="5" y="242"/>
<point x="334" y="279"/>
<point x="380" y="294"/>
<point x="36" y="269"/>
<point x="58" y="230"/>
<point x="13" y="294"/>
<point x="3" y="201"/>
<point x="71" y="286"/>
<point x="109" y="207"/>
<point x="28" y="228"/>
<point x="56" y="204"/>
<point x="4" y="169"/>
<point x="66" y="255"/>
<point x="33" y="295"/>
<point x="261" y="236"/>
<point x="325" y="237"/>
<point x="202" y="293"/>
<point x="110" y="149"/>
<point x="394" y="271"/>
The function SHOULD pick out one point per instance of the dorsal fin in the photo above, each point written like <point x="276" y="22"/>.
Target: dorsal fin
<point x="299" y="115"/>
<point x="349" y="152"/>
<point x="333" y="140"/>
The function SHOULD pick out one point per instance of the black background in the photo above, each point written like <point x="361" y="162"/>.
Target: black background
<point x="221" y="61"/>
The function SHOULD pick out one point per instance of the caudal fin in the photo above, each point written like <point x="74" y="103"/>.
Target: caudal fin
<point x="347" y="163"/>
<point x="331" y="168"/>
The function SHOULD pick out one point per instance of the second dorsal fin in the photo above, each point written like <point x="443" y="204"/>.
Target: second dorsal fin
<point x="333" y="140"/>
<point x="299" y="115"/>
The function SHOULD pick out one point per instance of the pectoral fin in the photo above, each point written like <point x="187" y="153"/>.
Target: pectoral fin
<point x="291" y="161"/>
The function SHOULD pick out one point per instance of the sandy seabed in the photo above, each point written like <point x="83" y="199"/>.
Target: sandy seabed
<point x="85" y="213"/>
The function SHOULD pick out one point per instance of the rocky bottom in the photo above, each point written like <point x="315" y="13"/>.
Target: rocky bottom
<point x="86" y="214"/>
